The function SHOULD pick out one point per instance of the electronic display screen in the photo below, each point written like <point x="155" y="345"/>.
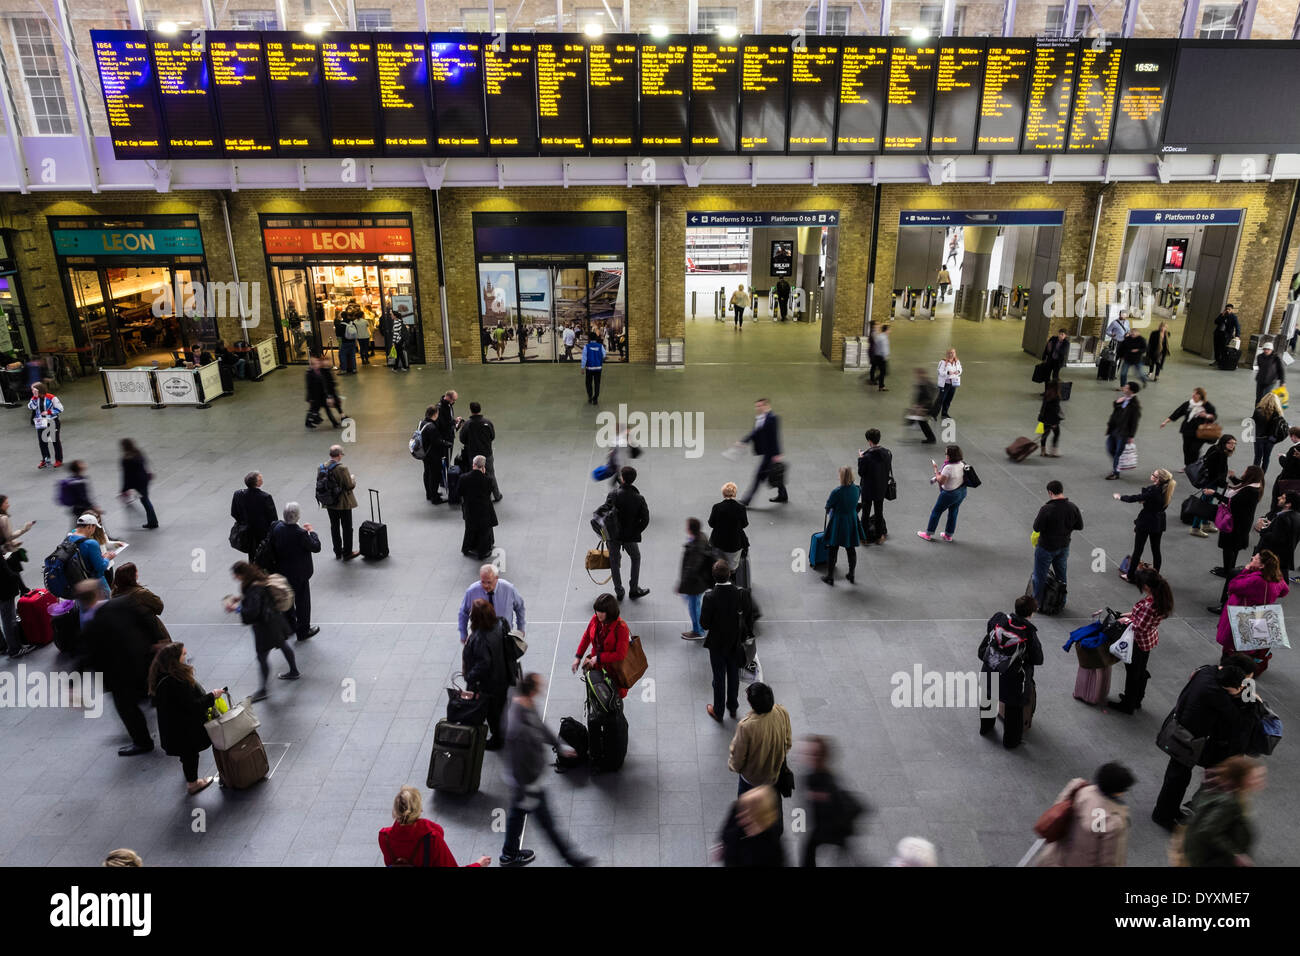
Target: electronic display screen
<point x="456" y="78"/>
<point x="863" y="73"/>
<point x="814" y="90"/>
<point x="665" y="85"/>
<point x="1175" y="254"/>
<point x="1143" y="95"/>
<point x="239" y="91"/>
<point x="1095" y="90"/>
<point x="511" y="94"/>
<point x="561" y="93"/>
<point x="185" y="96"/>
<point x="405" y="106"/>
<point x="1051" y="87"/>
<point x="764" y="85"/>
<point x="715" y="96"/>
<point x="1007" y="66"/>
<point x="910" y="94"/>
<point x="130" y="99"/>
<point x="957" y="96"/>
<point x="351" y="91"/>
<point x="612" y="93"/>
<point x="293" y="75"/>
<point x="1235" y="97"/>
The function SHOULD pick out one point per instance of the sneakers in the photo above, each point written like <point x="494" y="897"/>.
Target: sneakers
<point x="926" y="535"/>
<point x="691" y="636"/>
<point x="522" y="858"/>
<point x="58" y="464"/>
<point x="1200" y="532"/>
<point x="1114" y="475"/>
<point x="946" y="537"/>
<point x="43" y="464"/>
<point x="712" y="713"/>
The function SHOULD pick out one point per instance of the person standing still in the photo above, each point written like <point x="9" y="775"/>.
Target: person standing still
<point x="477" y="433"/>
<point x="253" y="508"/>
<point x="949" y="381"/>
<point x="339" y="501"/>
<point x="633" y="517"/>
<point x="875" y="469"/>
<point x="696" y="574"/>
<point x="762" y="741"/>
<point x="1270" y="371"/>
<point x="593" y="360"/>
<point x="1150" y="522"/>
<point x="293" y="544"/>
<point x="46" y="409"/>
<point x="1055" y="522"/>
<point x="1055" y="353"/>
<point x="766" y="441"/>
<point x="397" y="342"/>
<point x="1226" y="328"/>
<point x="727" y="615"/>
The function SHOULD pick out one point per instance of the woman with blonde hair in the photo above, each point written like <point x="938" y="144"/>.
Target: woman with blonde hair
<point x="949" y="381"/>
<point x="1150" y="521"/>
<point x="1158" y="350"/>
<point x="842" y="527"/>
<point x="1270" y="428"/>
<point x="123" y="857"/>
<point x="414" y="841"/>
<point x="727" y="523"/>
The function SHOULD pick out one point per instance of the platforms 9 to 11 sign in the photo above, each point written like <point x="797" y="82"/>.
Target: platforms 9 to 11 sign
<point x="235" y="93"/>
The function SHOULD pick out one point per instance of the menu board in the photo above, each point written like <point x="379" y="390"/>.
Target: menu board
<point x="561" y="93"/>
<point x="293" y="77"/>
<point x="508" y="85"/>
<point x="239" y="91"/>
<point x="814" y="89"/>
<point x="910" y="93"/>
<point x="405" y="106"/>
<point x="1143" y="95"/>
<point x="1095" y="91"/>
<point x="612" y="93"/>
<point x="185" y="97"/>
<point x="665" y="83"/>
<point x="126" y="77"/>
<point x="1051" y="85"/>
<point x="1002" y="101"/>
<point x="957" y="96"/>
<point x="764" y="81"/>
<point x="863" y="72"/>
<point x="456" y="77"/>
<point x="715" y="91"/>
<point x="351" y="89"/>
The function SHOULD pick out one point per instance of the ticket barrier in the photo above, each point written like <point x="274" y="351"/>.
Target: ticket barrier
<point x="1019" y="302"/>
<point x="925" y="303"/>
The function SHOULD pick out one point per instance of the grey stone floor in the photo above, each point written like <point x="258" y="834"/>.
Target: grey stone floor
<point x="829" y="654"/>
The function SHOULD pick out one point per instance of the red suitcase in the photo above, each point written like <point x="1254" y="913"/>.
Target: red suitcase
<point x="1092" y="684"/>
<point x="1021" y="448"/>
<point x="34" y="613"/>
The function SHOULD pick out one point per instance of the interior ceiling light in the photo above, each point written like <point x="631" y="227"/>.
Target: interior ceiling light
<point x="315" y="28"/>
<point x="593" y="29"/>
<point x="170" y="27"/>
<point x="727" y="31"/>
<point x="920" y="33"/>
<point x="658" y="30"/>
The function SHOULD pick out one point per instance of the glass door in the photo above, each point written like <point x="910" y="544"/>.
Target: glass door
<point x="15" y="337"/>
<point x="569" y="285"/>
<point x="91" y="317"/>
<point x="397" y="295"/>
<point x="295" y="303"/>
<point x="607" y="307"/>
<point x="536" y="314"/>
<point x="497" y="305"/>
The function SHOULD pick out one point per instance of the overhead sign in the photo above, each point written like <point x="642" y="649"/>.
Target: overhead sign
<point x="1184" y="217"/>
<point x="321" y="242"/>
<point x="981" y="217"/>
<point x="127" y="242"/>
<point x="819" y="217"/>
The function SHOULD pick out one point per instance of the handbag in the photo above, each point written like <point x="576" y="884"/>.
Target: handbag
<point x="1034" y="537"/>
<point x="1039" y="429"/>
<point x="226" y="730"/>
<point x="785" y="780"/>
<point x="1128" y="459"/>
<point x="1256" y="628"/>
<point x="969" y="478"/>
<point x="1223" y="518"/>
<point x="1177" y="741"/>
<point x="1054" y="824"/>
<point x="239" y="536"/>
<point x="1210" y="431"/>
<point x="1195" y="472"/>
<point x="891" y="488"/>
<point x="465" y="710"/>
<point x="598" y="560"/>
<point x="630" y="669"/>
<point x="1266" y="732"/>
<point x="776" y="474"/>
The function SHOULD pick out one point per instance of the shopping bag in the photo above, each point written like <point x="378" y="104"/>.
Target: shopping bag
<point x="1038" y="429"/>
<point x="228" y="729"/>
<point x="1128" y="459"/>
<point x="1123" y="648"/>
<point x="1283" y="396"/>
<point x="1255" y="628"/>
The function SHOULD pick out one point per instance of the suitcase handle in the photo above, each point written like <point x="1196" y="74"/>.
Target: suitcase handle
<point x="374" y="506"/>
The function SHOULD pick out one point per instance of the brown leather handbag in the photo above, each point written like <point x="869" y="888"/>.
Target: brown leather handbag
<point x="1211" y="431"/>
<point x="630" y="669"/>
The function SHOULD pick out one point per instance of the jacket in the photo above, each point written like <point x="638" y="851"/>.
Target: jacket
<point x="477" y="435"/>
<point x="593" y="356"/>
<point x="1055" y="522"/>
<point x="1271" y="371"/>
<point x="1189" y="425"/>
<point x="1281" y="536"/>
<point x="1227" y="325"/>
<point x="608" y="642"/>
<point x="1219" y="829"/>
<point x="446" y="422"/>
<point x="1247" y="589"/>
<point x="727" y="522"/>
<point x="484" y="664"/>
<point x="633" y="512"/>
<point x="1157" y="346"/>
<point x="766" y="438"/>
<point x="182" y="710"/>
<point x="696" y="575"/>
<point x="1124" y="418"/>
<point x="1208" y="710"/>
<point x="1243" y="505"/>
<point x="92" y="558"/>
<point x="255" y="509"/>
<point x="762" y="849"/>
<point x="1049" y="413"/>
<point x="759" y="747"/>
<point x="135" y="475"/>
<point x="1132" y="348"/>
<point x="1057" y="350"/>
<point x="435" y="446"/>
<point x="1098" y="830"/>
<point x="1216" y="468"/>
<point x="1290" y="462"/>
<point x="476" y="500"/>
<point x="418" y="844"/>
<point x="151" y="604"/>
<point x="1269" y="426"/>
<point x="1014" y="683"/>
<point x="294" y="546"/>
<point x="120" y="638"/>
<point x="346" y="500"/>
<point x="842" y="527"/>
<point x="1152" y="516"/>
<point x="257" y="608"/>
<point x="727" y="614"/>
<point x="875" y="465"/>
<point x="526" y="737"/>
<point x="320" y="385"/>
<point x="77" y="492"/>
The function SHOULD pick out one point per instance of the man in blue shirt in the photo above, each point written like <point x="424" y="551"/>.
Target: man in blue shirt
<point x="498" y="592"/>
<point x="593" y="359"/>
<point x="93" y="558"/>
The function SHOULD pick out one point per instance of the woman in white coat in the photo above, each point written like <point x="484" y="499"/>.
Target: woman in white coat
<point x="949" y="380"/>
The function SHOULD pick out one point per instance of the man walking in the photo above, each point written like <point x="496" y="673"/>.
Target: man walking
<point x="254" y="510"/>
<point x="727" y="615"/>
<point x="1121" y="427"/>
<point x="1226" y="328"/>
<point x="593" y="360"/>
<point x="398" y="339"/>
<point x="321" y="392"/>
<point x="570" y="338"/>
<point x="527" y="737"/>
<point x="759" y="748"/>
<point x="1055" y="522"/>
<point x="1119" y="327"/>
<point x="880" y="357"/>
<point x="783" y="296"/>
<point x="476" y="508"/>
<point x="1132" y="351"/>
<point x="477" y="435"/>
<point x="293" y="545"/>
<point x="875" y="469"/>
<point x="121" y="636"/>
<point x="766" y="440"/>
<point x="1055" y="352"/>
<point x="498" y="592"/>
<point x="1270" y="371"/>
<point x="631" y="517"/>
<point x="334" y="487"/>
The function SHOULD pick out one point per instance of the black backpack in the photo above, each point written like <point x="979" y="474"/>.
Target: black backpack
<point x="328" y="487"/>
<point x="573" y="733"/>
<point x="64" y="569"/>
<point x="1003" y="647"/>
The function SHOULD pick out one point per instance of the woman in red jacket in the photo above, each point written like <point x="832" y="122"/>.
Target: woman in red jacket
<point x="607" y="636"/>
<point x="414" y="841"/>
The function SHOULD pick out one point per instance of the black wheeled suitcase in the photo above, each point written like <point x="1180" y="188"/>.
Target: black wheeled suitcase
<point x="453" y="485"/>
<point x="1228" y="361"/>
<point x="606" y="737"/>
<point x="456" y="763"/>
<point x="373" y="537"/>
<point x="1106" y="368"/>
<point x="1066" y="388"/>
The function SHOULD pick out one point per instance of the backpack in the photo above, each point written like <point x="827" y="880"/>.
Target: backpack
<point x="573" y="733"/>
<point x="329" y="489"/>
<point x="64" y="568"/>
<point x="278" y="587"/>
<point x="349" y="331"/>
<point x="416" y="444"/>
<point x="1003" y="648"/>
<point x="65" y="496"/>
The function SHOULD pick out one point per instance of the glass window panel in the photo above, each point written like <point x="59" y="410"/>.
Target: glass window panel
<point x="475" y="19"/>
<point x="909" y="15"/>
<point x="301" y="12"/>
<point x="670" y="13"/>
<point x="1101" y="17"/>
<point x="609" y="18"/>
<point x="246" y="15"/>
<point x="710" y="18"/>
<point x="34" y="58"/>
<point x="374" y="19"/>
<point x="1159" y="18"/>
<point x="539" y="15"/>
<point x="1219" y="21"/>
<point x="978" y="19"/>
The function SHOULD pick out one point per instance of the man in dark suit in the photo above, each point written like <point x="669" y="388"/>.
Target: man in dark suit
<point x="1055" y="352"/>
<point x="254" y="509"/>
<point x="1226" y="328"/>
<point x="120" y="639"/>
<point x="293" y="545"/>
<point x="476" y="508"/>
<point x="477" y="435"/>
<point x="727" y="614"/>
<point x="875" y="467"/>
<point x="435" y="455"/>
<point x="447" y="424"/>
<point x="766" y="439"/>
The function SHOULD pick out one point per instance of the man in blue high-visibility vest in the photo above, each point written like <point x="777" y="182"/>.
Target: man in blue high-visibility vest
<point x="593" y="359"/>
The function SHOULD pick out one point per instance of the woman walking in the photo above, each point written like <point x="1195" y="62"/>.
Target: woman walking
<point x="1270" y="428"/>
<point x="739" y="303"/>
<point x="1241" y="499"/>
<point x="1149" y="524"/>
<point x="487" y="667"/>
<point x="46" y="409"/>
<point x="696" y="575"/>
<point x="1156" y="604"/>
<point x="1195" y="412"/>
<point x="413" y="840"/>
<point x="136" y="477"/>
<point x="182" y="708"/>
<point x="1260" y="582"/>
<point x="951" y="479"/>
<point x="1215" y="475"/>
<point x="1049" y="416"/>
<point x="1099" y="825"/>
<point x="257" y="608"/>
<point x="842" y="527"/>
<point x="1158" y="350"/>
<point x="1221" y="832"/>
<point x="949" y="381"/>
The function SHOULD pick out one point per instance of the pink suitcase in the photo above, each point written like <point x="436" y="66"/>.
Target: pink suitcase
<point x="1092" y="684"/>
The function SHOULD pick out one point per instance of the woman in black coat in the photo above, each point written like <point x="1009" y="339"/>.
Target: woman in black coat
<point x="1150" y="521"/>
<point x="1242" y="498"/>
<point x="1049" y="414"/>
<point x="136" y="477"/>
<point x="696" y="575"/>
<point x="1215" y="476"/>
<point x="271" y="630"/>
<point x="1158" y="350"/>
<point x="1195" y="412"/>
<point x="486" y="666"/>
<point x="182" y="709"/>
<point x="727" y="523"/>
<point x="1016" y="692"/>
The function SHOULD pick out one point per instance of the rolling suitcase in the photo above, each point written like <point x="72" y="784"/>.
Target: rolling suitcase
<point x="34" y="613"/>
<point x="243" y="764"/>
<point x="1021" y="448"/>
<point x="1053" y="593"/>
<point x="1092" y="684"/>
<point x="1230" y="358"/>
<point x="606" y="736"/>
<point x="456" y="763"/>
<point x="817" y="550"/>
<point x="1031" y="705"/>
<point x="373" y="537"/>
<point x="1066" y="388"/>
<point x="453" y="485"/>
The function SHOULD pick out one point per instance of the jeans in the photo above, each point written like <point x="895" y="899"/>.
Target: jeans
<point x="1051" y="436"/>
<point x="726" y="680"/>
<point x="740" y="314"/>
<point x="366" y="349"/>
<point x="780" y="803"/>
<point x="1198" y="522"/>
<point x="1115" y="443"/>
<point x="949" y="501"/>
<point x="1136" y="676"/>
<point x="432" y="478"/>
<point x="1263" y="451"/>
<point x="128" y="709"/>
<point x="1124" y="368"/>
<point x="882" y="369"/>
<point x="1139" y="543"/>
<point x="526" y="800"/>
<point x="616" y="561"/>
<point x="348" y="355"/>
<point x="150" y="516"/>
<point x="947" y="393"/>
<point x="341" y="530"/>
<point x="693" y="602"/>
<point x="9" y="625"/>
<point x="874" y="506"/>
<point x="1042" y="560"/>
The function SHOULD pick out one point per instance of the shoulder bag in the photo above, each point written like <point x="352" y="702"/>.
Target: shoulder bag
<point x="891" y="486"/>
<point x="632" y="667"/>
<point x="969" y="477"/>
<point x="1177" y="741"/>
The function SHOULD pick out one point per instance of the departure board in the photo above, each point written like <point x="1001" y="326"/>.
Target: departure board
<point x="456" y="77"/>
<point x="910" y="94"/>
<point x="1230" y="97"/>
<point x="511" y="93"/>
<point x="347" y="63"/>
<point x="957" y="96"/>
<point x="1051" y="86"/>
<point x="763" y="85"/>
<point x="293" y="77"/>
<point x="715" y="96"/>
<point x="665" y="83"/>
<point x="561" y="93"/>
<point x="612" y="93"/>
<point x="1095" y="90"/>
<point x="405" y="106"/>
<point x="239" y="90"/>
<point x="1002" y="101"/>
<point x="185" y="97"/>
<point x="814" y="89"/>
<point x="1143" y="95"/>
<point x="863" y="74"/>
<point x="126" y="77"/>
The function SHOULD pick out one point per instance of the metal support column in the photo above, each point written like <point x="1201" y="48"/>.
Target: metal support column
<point x="657" y="282"/>
<point x="1009" y="18"/>
<point x="9" y="111"/>
<point x="209" y="15"/>
<point x="758" y="17"/>
<point x="947" y="18"/>
<point x="884" y="17"/>
<point x="442" y="280"/>
<point x="1092" y="251"/>
<point x="1130" y="17"/>
<point x="135" y="13"/>
<point x="422" y="14"/>
<point x="1246" y="22"/>
<point x="871" y="257"/>
<point x="1068" y="16"/>
<point x="1191" y="17"/>
<point x="821" y="17"/>
<point x="352" y="14"/>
